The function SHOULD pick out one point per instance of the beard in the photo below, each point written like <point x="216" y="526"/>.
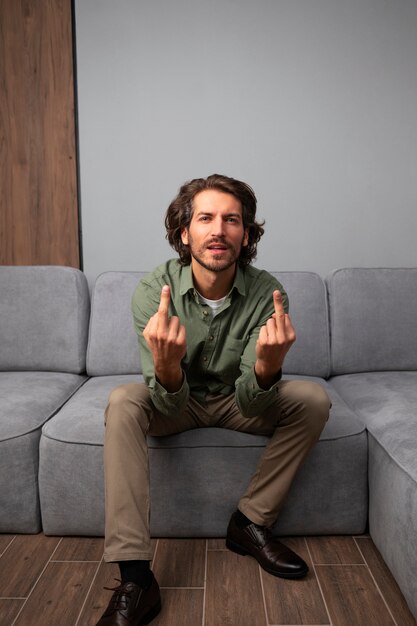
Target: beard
<point x="201" y="255"/>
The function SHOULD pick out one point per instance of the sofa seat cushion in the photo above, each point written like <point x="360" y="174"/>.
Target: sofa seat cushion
<point x="82" y="419"/>
<point x="387" y="404"/>
<point x="197" y="476"/>
<point x="28" y="400"/>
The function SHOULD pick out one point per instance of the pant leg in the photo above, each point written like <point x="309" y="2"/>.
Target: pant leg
<point x="293" y="423"/>
<point x="300" y="414"/>
<point x="130" y="416"/>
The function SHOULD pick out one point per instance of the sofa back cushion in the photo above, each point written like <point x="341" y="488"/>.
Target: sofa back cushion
<point x="44" y="314"/>
<point x="310" y="354"/>
<point x="113" y="347"/>
<point x="373" y="316"/>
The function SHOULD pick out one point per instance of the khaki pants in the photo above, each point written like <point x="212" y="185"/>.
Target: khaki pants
<point x="293" y="423"/>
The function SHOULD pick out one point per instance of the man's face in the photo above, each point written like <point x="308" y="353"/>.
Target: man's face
<point x="216" y="233"/>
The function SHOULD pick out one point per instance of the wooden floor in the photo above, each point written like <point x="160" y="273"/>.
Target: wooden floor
<point x="47" y="581"/>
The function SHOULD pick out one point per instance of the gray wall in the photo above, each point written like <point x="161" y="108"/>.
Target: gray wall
<point x="312" y="102"/>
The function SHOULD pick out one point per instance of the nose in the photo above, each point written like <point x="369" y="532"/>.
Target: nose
<point x="217" y="225"/>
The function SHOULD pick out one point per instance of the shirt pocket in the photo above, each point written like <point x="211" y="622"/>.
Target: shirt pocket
<point x="229" y="359"/>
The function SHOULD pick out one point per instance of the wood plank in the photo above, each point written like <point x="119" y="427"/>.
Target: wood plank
<point x="9" y="610"/>
<point x="180" y="562"/>
<point x="234" y="595"/>
<point x="58" y="595"/>
<point x="386" y="583"/>
<point x="334" y="550"/>
<point x="351" y="596"/>
<point x="106" y="579"/>
<point x="80" y="549"/>
<point x="294" y="601"/>
<point x="5" y="541"/>
<point x="233" y="591"/>
<point x="23" y="562"/>
<point x="108" y="575"/>
<point x="216" y="544"/>
<point x="181" y="607"/>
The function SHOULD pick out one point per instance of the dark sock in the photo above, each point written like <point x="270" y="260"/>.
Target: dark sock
<point x="242" y="520"/>
<point x="137" y="572"/>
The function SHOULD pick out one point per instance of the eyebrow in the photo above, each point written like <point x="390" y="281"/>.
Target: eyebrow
<point x="206" y="212"/>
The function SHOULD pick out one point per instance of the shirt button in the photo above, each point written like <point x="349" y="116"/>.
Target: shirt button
<point x="211" y="337"/>
<point x="205" y="312"/>
<point x="204" y="358"/>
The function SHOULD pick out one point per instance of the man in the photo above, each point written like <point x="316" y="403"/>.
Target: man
<point x="213" y="334"/>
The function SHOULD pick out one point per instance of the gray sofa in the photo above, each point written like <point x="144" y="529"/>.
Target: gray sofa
<point x="199" y="474"/>
<point x="44" y="314"/>
<point x="356" y="335"/>
<point x="373" y="317"/>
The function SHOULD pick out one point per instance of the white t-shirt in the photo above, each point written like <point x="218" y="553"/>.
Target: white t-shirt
<point x="213" y="304"/>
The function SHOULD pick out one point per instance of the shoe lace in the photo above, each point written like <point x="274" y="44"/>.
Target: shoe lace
<point x="119" y="600"/>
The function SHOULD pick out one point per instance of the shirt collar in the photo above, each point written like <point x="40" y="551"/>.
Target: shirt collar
<point x="239" y="282"/>
<point x="186" y="280"/>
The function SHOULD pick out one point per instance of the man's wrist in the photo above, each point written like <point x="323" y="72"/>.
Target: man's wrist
<point x="266" y="379"/>
<point x="170" y="380"/>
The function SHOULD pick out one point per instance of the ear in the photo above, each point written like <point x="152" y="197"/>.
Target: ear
<point x="245" y="238"/>
<point x="184" y="235"/>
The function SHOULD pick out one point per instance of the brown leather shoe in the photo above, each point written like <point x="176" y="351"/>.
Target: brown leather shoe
<point x="272" y="555"/>
<point x="130" y="605"/>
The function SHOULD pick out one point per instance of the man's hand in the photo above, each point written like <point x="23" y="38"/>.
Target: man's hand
<point x="167" y="341"/>
<point x="274" y="341"/>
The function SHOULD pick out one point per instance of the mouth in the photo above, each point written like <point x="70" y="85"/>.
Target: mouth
<point x="217" y="247"/>
<point x="217" y="251"/>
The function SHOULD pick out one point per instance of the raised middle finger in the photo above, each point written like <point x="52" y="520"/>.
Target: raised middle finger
<point x="163" y="308"/>
<point x="279" y="308"/>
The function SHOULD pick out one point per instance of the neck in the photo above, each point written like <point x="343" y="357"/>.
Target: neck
<point x="212" y="285"/>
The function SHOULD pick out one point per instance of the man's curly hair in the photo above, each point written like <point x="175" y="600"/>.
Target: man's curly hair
<point x="180" y="212"/>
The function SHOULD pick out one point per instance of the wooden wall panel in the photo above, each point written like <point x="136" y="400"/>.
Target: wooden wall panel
<point x="38" y="173"/>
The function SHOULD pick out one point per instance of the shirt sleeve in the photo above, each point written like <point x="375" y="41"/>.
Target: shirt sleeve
<point x="145" y="303"/>
<point x="250" y="397"/>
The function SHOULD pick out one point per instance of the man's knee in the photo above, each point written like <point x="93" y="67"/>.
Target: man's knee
<point x="130" y="393"/>
<point x="315" y="397"/>
<point x="309" y="399"/>
<point x="128" y="402"/>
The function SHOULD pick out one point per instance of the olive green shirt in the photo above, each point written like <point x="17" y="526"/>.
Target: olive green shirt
<point x="220" y="354"/>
